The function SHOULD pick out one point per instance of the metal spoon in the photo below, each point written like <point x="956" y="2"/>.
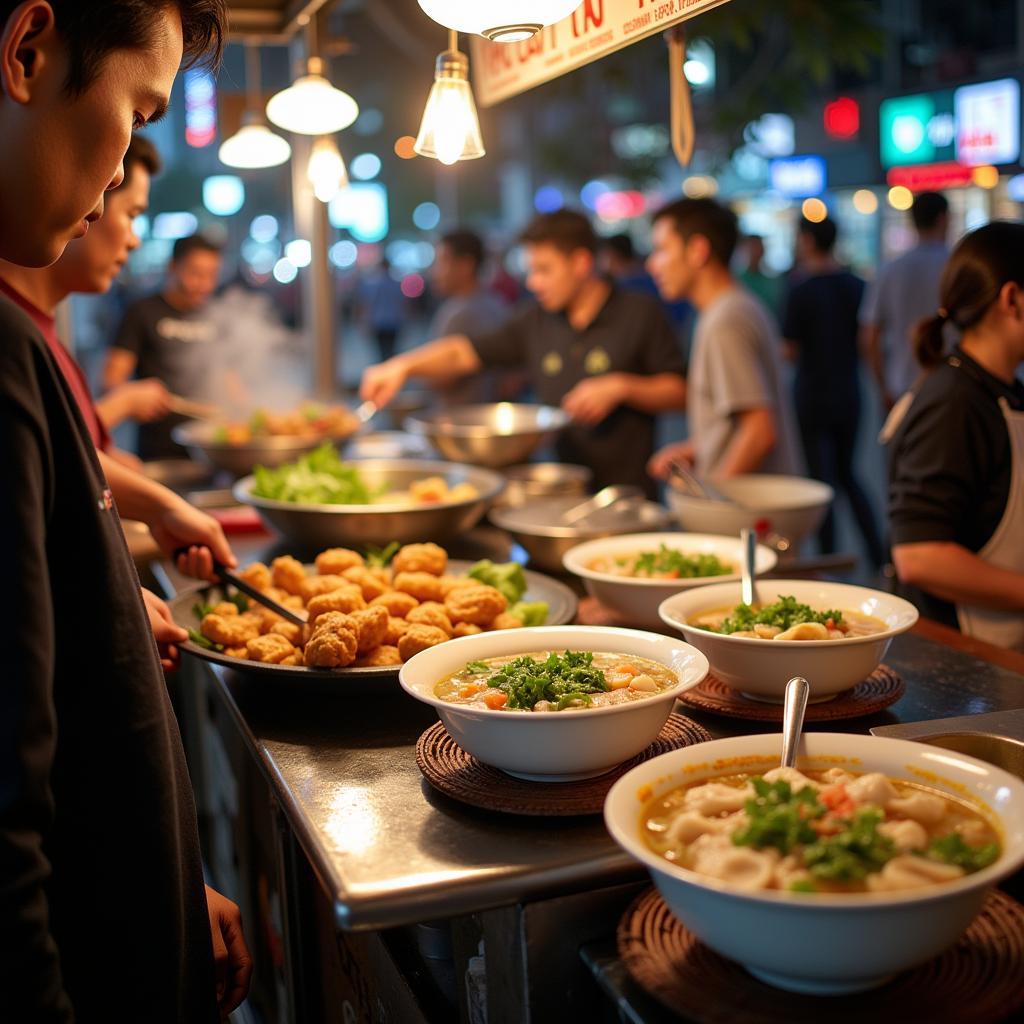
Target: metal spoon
<point x="797" y="692"/>
<point x="695" y="486"/>
<point x="748" y="562"/>
<point x="604" y="498"/>
<point x="366" y="411"/>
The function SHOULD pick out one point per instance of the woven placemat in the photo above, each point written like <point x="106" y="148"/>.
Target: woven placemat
<point x="883" y="687"/>
<point x="448" y="768"/>
<point x="977" y="981"/>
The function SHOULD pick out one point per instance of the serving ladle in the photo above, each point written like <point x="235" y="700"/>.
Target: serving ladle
<point x="748" y="561"/>
<point x="798" y="690"/>
<point x="605" y="498"/>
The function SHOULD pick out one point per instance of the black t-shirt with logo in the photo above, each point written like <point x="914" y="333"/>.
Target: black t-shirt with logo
<point x="166" y="344"/>
<point x="630" y="334"/>
<point x="102" y="907"/>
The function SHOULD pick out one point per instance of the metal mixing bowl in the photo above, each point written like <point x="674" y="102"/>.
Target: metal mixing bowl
<point x="496" y="435"/>
<point x="536" y="526"/>
<point x="197" y="438"/>
<point x="544" y="480"/>
<point x="381" y="523"/>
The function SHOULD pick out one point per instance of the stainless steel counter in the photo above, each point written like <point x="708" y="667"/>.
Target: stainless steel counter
<point x="388" y="850"/>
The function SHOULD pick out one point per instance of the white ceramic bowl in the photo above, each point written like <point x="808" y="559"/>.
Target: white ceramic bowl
<point x="761" y="668"/>
<point x="637" y="600"/>
<point x="791" y="506"/>
<point x="827" y="944"/>
<point x="554" y="747"/>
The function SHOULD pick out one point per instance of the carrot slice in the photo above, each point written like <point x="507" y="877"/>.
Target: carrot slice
<point x="496" y="699"/>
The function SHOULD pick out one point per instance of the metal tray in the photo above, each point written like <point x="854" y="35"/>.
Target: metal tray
<point x="562" y="610"/>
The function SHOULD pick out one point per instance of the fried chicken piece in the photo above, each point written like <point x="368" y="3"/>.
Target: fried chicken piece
<point x="385" y="655"/>
<point x="292" y="632"/>
<point x="397" y="603"/>
<point x="226" y="609"/>
<point x="431" y="613"/>
<point x="480" y="605"/>
<point x="271" y="649"/>
<point x="229" y="630"/>
<point x="450" y="583"/>
<point x="293" y="659"/>
<point x="314" y="586"/>
<point x="421" y="558"/>
<point x="288" y="574"/>
<point x="397" y="628"/>
<point x="348" y="598"/>
<point x="422" y="585"/>
<point x="256" y="575"/>
<point x="420" y="638"/>
<point x="465" y="629"/>
<point x="235" y="652"/>
<point x="372" y="627"/>
<point x="334" y="642"/>
<point x="334" y="561"/>
<point x="506" y="621"/>
<point x="372" y="582"/>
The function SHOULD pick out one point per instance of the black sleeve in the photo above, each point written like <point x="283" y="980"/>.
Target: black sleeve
<point x="939" y="468"/>
<point x="30" y="974"/>
<point x="792" y="316"/>
<point x="131" y="333"/>
<point x="661" y="351"/>
<point x="505" y="347"/>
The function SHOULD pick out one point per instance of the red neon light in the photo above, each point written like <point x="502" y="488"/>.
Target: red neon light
<point x="930" y="177"/>
<point x="842" y="118"/>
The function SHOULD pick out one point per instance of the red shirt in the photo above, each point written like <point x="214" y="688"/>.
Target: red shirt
<point x="68" y="366"/>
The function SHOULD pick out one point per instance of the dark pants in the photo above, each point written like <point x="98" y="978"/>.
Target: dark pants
<point x="829" y="446"/>
<point x="387" y="340"/>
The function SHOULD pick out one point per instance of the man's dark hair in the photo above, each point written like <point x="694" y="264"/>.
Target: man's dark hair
<point x="927" y="210"/>
<point x="621" y="246"/>
<point x="704" y="217"/>
<point x="822" y="233"/>
<point x="567" y="230"/>
<point x="141" y="153"/>
<point x="184" y="247"/>
<point x="93" y="29"/>
<point x="466" y="245"/>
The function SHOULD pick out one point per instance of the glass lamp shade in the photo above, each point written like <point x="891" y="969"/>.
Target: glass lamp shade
<point x="503" y="21"/>
<point x="450" y="130"/>
<point x="312" y="106"/>
<point x="326" y="170"/>
<point x="253" y="146"/>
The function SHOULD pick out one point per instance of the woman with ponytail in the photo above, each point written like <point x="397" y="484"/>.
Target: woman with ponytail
<point x="956" y="477"/>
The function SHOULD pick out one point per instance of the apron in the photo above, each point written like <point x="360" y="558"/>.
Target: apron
<point x="1005" y="549"/>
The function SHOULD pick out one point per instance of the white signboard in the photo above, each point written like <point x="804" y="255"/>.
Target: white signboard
<point x="595" y="29"/>
<point x="988" y="122"/>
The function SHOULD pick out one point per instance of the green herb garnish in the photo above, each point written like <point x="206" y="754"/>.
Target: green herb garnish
<point x="668" y="561"/>
<point x="802" y="885"/>
<point x="240" y="601"/>
<point x="952" y="849"/>
<point x="201" y="609"/>
<point x="784" y="613"/>
<point x="779" y="818"/>
<point x="380" y="558"/>
<point x="508" y="578"/>
<point x="570" y="675"/>
<point x="477" y="667"/>
<point x="855" y="852"/>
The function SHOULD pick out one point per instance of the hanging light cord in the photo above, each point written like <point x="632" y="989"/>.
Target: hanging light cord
<point x="681" y="115"/>
<point x="252" y="76"/>
<point x="453" y="40"/>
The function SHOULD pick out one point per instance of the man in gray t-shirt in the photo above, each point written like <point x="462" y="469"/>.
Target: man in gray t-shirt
<point x="740" y="416"/>
<point x="904" y="292"/>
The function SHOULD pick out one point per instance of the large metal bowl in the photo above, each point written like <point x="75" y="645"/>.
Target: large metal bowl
<point x="381" y="523"/>
<point x="535" y="480"/>
<point x="496" y="435"/>
<point x="537" y="526"/>
<point x="197" y="438"/>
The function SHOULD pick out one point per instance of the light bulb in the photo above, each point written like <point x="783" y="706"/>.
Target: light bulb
<point x="253" y="146"/>
<point x="450" y="130"/>
<point x="326" y="170"/>
<point x="312" y="106"/>
<point x="501" y="21"/>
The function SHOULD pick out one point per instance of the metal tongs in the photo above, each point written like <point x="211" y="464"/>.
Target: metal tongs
<point x="688" y="481"/>
<point x="605" y="498"/>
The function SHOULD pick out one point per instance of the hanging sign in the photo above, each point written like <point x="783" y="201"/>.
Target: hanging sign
<point x="595" y="29"/>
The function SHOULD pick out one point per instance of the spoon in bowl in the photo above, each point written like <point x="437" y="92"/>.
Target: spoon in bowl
<point x="797" y="692"/>
<point x="748" y="560"/>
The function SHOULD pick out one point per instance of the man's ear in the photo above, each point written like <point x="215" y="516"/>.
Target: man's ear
<point x="698" y="251"/>
<point x="1011" y="300"/>
<point x="26" y="46"/>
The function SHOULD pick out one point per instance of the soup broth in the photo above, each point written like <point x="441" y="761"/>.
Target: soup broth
<point x="546" y="681"/>
<point x="663" y="564"/>
<point x="787" y="619"/>
<point x="830" y="831"/>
